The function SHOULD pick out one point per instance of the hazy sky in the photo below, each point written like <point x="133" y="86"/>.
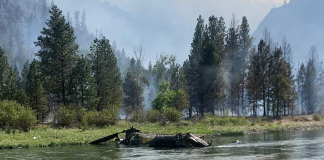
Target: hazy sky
<point x="164" y="26"/>
<point x="255" y="10"/>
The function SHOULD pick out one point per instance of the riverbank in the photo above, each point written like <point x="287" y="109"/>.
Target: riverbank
<point x="45" y="136"/>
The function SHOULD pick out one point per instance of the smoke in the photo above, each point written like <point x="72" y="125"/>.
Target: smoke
<point x="163" y="25"/>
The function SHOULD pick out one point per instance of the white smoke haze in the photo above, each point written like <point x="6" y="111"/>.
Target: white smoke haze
<point x="163" y="25"/>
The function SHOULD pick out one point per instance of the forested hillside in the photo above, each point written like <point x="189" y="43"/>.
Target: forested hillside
<point x="300" y="21"/>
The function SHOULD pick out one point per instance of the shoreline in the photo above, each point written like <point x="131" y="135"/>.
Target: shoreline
<point x="45" y="136"/>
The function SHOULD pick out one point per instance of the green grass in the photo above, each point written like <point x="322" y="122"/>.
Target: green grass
<point x="209" y="126"/>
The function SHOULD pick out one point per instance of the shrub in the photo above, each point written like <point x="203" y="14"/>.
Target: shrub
<point x="153" y="116"/>
<point x="65" y="116"/>
<point x="224" y="121"/>
<point x="258" y="120"/>
<point x="317" y="117"/>
<point x="16" y="116"/>
<point x="98" y="118"/>
<point x="138" y="116"/>
<point x="26" y="119"/>
<point x="171" y="114"/>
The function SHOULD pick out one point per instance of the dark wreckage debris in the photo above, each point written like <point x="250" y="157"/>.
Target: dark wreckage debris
<point x="135" y="137"/>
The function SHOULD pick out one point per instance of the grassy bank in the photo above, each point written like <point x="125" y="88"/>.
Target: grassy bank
<point x="45" y="136"/>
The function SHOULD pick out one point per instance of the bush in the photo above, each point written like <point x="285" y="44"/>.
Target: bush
<point x="26" y="119"/>
<point x="65" y="116"/>
<point x="138" y="116"/>
<point x="171" y="114"/>
<point x="224" y="121"/>
<point x="99" y="118"/>
<point x="317" y="117"/>
<point x="153" y="116"/>
<point x="16" y="116"/>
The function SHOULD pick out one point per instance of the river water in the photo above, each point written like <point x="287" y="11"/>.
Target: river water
<point x="279" y="145"/>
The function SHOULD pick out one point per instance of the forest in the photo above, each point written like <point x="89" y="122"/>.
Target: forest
<point x="84" y="79"/>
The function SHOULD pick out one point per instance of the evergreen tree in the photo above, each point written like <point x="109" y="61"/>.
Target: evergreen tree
<point x="192" y="68"/>
<point x="83" y="26"/>
<point x="4" y="68"/>
<point x="133" y="91"/>
<point x="24" y="74"/>
<point x="211" y="81"/>
<point x="310" y="82"/>
<point x="69" y="18"/>
<point x="254" y="91"/>
<point x="77" y="24"/>
<point x="35" y="91"/>
<point x="10" y="88"/>
<point x="82" y="85"/>
<point x="301" y="86"/>
<point x="57" y="54"/>
<point x="233" y="62"/>
<point x="245" y="42"/>
<point x="107" y="76"/>
<point x="264" y="54"/>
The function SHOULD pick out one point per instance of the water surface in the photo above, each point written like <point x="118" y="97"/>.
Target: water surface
<point x="279" y="145"/>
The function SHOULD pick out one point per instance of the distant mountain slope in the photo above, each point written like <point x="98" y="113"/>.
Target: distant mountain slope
<point x="301" y="21"/>
<point x="128" y="29"/>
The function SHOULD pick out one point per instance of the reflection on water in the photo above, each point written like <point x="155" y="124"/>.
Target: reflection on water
<point x="279" y="145"/>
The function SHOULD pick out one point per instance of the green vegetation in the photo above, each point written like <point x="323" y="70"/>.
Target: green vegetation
<point x="14" y="116"/>
<point x="45" y="136"/>
<point x="88" y="91"/>
<point x="318" y="117"/>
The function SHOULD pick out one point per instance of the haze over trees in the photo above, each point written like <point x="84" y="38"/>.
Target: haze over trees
<point x="224" y="75"/>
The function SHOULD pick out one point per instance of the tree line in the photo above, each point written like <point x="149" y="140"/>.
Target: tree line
<point x="224" y="74"/>
<point x="227" y="74"/>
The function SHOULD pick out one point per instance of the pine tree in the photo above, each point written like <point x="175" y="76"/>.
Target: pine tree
<point x="301" y="86"/>
<point x="82" y="85"/>
<point x="213" y="53"/>
<point x="245" y="42"/>
<point x="57" y="54"/>
<point x="264" y="54"/>
<point x="4" y="68"/>
<point x="77" y="24"/>
<point x="310" y="82"/>
<point x="254" y="91"/>
<point x="133" y="92"/>
<point x="193" y="66"/>
<point x="35" y="91"/>
<point x="69" y="18"/>
<point x="233" y="62"/>
<point x="24" y="74"/>
<point x="83" y="25"/>
<point x="107" y="76"/>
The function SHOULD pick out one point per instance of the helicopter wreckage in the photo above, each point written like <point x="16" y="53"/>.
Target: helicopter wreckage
<point x="135" y="137"/>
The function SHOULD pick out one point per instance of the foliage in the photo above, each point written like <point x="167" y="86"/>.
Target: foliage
<point x="226" y="121"/>
<point x="168" y="98"/>
<point x="65" y="116"/>
<point x="81" y="85"/>
<point x="172" y="114"/>
<point x="106" y="74"/>
<point x="16" y="116"/>
<point x="98" y="118"/>
<point x="57" y="60"/>
<point x="138" y="116"/>
<point x="318" y="117"/>
<point x="133" y="87"/>
<point x="153" y="116"/>
<point x="35" y="91"/>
